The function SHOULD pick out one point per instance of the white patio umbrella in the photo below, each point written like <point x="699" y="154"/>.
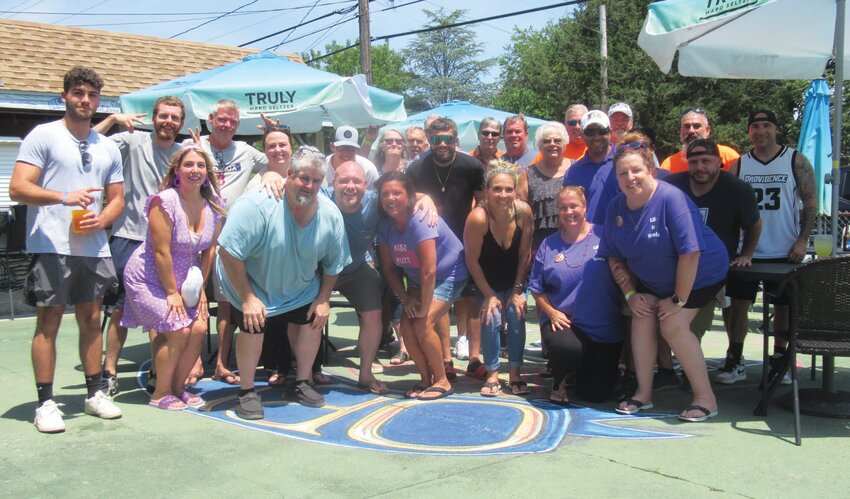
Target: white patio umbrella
<point x="764" y="39"/>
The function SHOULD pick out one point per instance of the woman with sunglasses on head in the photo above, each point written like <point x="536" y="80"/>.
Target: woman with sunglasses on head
<point x="432" y="258"/>
<point x="165" y="276"/>
<point x="540" y="182"/>
<point x="668" y="264"/>
<point x="579" y="304"/>
<point x="497" y="243"/>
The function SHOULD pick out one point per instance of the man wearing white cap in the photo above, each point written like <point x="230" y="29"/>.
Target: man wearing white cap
<point x="345" y="147"/>
<point x="622" y="120"/>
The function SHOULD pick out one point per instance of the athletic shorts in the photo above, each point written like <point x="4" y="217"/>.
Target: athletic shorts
<point x="67" y="280"/>
<point x="698" y="297"/>
<point x="362" y="288"/>
<point x="297" y="316"/>
<point x="121" y="249"/>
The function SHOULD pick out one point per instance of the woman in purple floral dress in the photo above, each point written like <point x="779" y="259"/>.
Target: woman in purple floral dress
<point x="165" y="276"/>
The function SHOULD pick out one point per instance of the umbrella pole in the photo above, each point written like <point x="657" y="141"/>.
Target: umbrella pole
<point x="838" y="97"/>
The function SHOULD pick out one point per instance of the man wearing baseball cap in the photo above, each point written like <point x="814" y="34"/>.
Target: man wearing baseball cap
<point x="728" y="206"/>
<point x="784" y="183"/>
<point x="622" y="120"/>
<point x="596" y="134"/>
<point x="345" y="147"/>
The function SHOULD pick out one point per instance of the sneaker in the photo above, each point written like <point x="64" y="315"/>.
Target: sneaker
<point x="462" y="348"/>
<point x="48" y="418"/>
<point x="776" y="363"/>
<point x="109" y="384"/>
<point x="305" y="395"/>
<point x="249" y="406"/>
<point x="733" y="373"/>
<point x="101" y="405"/>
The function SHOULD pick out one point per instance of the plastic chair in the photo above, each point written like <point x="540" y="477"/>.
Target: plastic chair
<point x="819" y="316"/>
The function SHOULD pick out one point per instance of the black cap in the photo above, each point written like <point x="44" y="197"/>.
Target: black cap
<point x="762" y="115"/>
<point x="702" y="147"/>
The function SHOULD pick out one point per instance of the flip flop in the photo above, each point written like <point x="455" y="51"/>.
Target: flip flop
<point x="192" y="400"/>
<point x="564" y="403"/>
<point x="227" y="378"/>
<point x="277" y="379"/>
<point x="639" y="406"/>
<point x="320" y="378"/>
<point x="519" y="388"/>
<point x="440" y="393"/>
<point x="476" y="370"/>
<point x="376" y="387"/>
<point x="400" y="358"/>
<point x="488" y="389"/>
<point x="168" y="403"/>
<point x="414" y="392"/>
<point x="697" y="419"/>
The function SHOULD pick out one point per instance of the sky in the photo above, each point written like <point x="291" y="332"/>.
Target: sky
<point x="256" y="19"/>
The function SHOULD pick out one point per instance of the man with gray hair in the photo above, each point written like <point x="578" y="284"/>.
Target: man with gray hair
<point x="489" y="134"/>
<point x="278" y="262"/>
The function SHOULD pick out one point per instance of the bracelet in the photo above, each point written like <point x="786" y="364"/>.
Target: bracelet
<point x="64" y="197"/>
<point x="629" y="294"/>
<point x="520" y="287"/>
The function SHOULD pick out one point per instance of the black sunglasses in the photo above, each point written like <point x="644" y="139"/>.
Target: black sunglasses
<point x="489" y="133"/>
<point x="696" y="110"/>
<point x="85" y="156"/>
<point x="592" y="132"/>
<point x="573" y="122"/>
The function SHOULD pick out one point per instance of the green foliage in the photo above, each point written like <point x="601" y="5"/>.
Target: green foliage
<point x="546" y="70"/>
<point x="387" y="65"/>
<point x="445" y="65"/>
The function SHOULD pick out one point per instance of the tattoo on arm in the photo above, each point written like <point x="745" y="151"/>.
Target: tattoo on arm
<point x="805" y="175"/>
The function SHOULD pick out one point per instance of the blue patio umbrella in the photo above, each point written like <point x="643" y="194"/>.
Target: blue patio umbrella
<point x="467" y="116"/>
<point x="815" y="140"/>
<point x="300" y="96"/>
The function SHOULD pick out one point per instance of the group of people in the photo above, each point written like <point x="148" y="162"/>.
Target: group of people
<point x="626" y="261"/>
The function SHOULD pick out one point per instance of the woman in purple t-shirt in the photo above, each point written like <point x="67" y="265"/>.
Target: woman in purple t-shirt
<point x="668" y="265"/>
<point x="433" y="261"/>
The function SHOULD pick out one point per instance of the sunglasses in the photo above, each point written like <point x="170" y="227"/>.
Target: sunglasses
<point x="278" y="128"/>
<point x="592" y="132"/>
<point x="390" y="141"/>
<point x="442" y="139"/>
<point x="631" y="145"/>
<point x="85" y="156"/>
<point x="556" y="141"/>
<point x="489" y="133"/>
<point x="573" y="122"/>
<point x="695" y="110"/>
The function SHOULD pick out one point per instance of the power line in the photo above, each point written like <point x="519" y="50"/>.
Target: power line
<point x="168" y="14"/>
<point x="455" y="25"/>
<point x="76" y="14"/>
<point x="211" y="20"/>
<point x="335" y="24"/>
<point x="299" y="24"/>
<point x="323" y="16"/>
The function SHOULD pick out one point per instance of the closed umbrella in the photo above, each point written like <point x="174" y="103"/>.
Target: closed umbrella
<point x="767" y="39"/>
<point x="815" y="140"/>
<point x="300" y="96"/>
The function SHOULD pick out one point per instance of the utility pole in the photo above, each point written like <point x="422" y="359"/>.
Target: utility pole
<point x="365" y="41"/>
<point x="603" y="51"/>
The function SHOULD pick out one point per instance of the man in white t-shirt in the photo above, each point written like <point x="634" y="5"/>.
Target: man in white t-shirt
<point x="345" y="148"/>
<point x="65" y="166"/>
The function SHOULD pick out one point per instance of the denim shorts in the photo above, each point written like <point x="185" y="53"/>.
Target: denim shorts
<point x="449" y="291"/>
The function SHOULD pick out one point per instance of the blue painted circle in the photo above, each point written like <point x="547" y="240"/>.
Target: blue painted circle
<point x="460" y="424"/>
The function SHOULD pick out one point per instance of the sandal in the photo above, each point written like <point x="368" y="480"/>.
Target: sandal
<point x="559" y="397"/>
<point x="519" y="388"/>
<point x="706" y="414"/>
<point x="277" y="379"/>
<point x="491" y="389"/>
<point x="476" y="369"/>
<point x="414" y="392"/>
<point x="320" y="378"/>
<point x="168" y="403"/>
<point x="227" y="378"/>
<point x="400" y="358"/>
<point x="192" y="400"/>
<point x="376" y="387"/>
<point x="451" y="372"/>
<point x="639" y="406"/>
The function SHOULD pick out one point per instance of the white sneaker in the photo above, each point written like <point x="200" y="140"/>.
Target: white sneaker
<point x="786" y="380"/>
<point x="48" y="418"/>
<point x="462" y="348"/>
<point x="738" y="372"/>
<point x="101" y="405"/>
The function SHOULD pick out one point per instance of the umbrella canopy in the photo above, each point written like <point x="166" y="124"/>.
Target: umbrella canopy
<point x="764" y="39"/>
<point x="815" y="140"/>
<point x="300" y="96"/>
<point x="468" y="117"/>
<point x="768" y="39"/>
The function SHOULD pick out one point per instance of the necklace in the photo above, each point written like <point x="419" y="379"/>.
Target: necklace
<point x="639" y="220"/>
<point x="562" y="257"/>
<point x="441" y="181"/>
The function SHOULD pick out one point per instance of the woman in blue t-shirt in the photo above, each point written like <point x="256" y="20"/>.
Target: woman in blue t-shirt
<point x="668" y="264"/>
<point x="432" y="259"/>
<point x="580" y="306"/>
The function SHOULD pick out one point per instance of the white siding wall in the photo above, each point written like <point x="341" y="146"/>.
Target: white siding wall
<point x="8" y="153"/>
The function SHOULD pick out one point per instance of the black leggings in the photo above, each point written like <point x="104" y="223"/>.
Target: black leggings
<point x="595" y="363"/>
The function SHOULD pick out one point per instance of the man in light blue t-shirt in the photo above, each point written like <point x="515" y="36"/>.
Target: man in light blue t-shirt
<point x="278" y="263"/>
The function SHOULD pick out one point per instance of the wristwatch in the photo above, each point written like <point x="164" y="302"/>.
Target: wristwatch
<point x="677" y="301"/>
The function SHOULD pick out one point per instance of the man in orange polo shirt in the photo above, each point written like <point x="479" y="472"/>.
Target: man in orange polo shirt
<point x="692" y="126"/>
<point x="489" y="134"/>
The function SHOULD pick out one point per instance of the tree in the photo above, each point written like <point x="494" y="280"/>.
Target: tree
<point x="445" y="64"/>
<point x="546" y="70"/>
<point x="388" y="71"/>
